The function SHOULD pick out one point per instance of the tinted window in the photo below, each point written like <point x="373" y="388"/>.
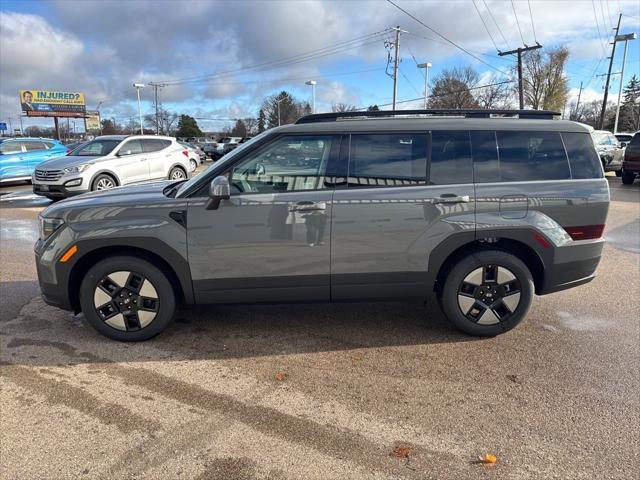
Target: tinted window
<point x="450" y="158"/>
<point x="635" y="140"/>
<point x="96" y="148"/>
<point x="48" y="145"/>
<point x="395" y="159"/>
<point x="288" y="164"/>
<point x="10" y="147"/>
<point x="132" y="147"/>
<point x="31" y="146"/>
<point x="155" y="144"/>
<point x="485" y="157"/>
<point x="583" y="158"/>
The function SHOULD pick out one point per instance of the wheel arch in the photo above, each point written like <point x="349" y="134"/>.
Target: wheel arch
<point x="181" y="167"/>
<point x="179" y="279"/>
<point x="444" y="261"/>
<point x="111" y="173"/>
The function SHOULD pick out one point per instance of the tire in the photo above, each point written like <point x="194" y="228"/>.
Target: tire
<point x="177" y="173"/>
<point x="506" y="285"/>
<point x="618" y="173"/>
<point x="149" y="300"/>
<point x="628" y="177"/>
<point x="103" y="182"/>
<point x="193" y="164"/>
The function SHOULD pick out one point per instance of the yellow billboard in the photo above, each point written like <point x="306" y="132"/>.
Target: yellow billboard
<point x="92" y="120"/>
<point x="47" y="103"/>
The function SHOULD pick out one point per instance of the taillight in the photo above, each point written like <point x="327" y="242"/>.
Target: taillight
<point x="586" y="232"/>
<point x="69" y="151"/>
<point x="185" y="153"/>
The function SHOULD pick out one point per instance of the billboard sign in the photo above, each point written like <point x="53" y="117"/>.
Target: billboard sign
<point x="92" y="120"/>
<point x="46" y="103"/>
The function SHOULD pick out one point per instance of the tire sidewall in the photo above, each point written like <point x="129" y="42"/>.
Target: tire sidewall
<point x="94" y="184"/>
<point x="449" y="297"/>
<point x="159" y="280"/>
<point x="184" y="175"/>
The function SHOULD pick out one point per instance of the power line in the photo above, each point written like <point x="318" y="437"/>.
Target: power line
<point x="409" y="81"/>
<point x="533" y="27"/>
<point x="298" y="58"/>
<point x="444" y="38"/>
<point x="496" y="23"/>
<point x="595" y="16"/>
<point x="485" y="26"/>
<point x="445" y="43"/>
<point x="517" y="23"/>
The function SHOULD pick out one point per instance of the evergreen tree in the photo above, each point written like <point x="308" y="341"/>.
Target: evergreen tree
<point x="629" y="120"/>
<point x="188" y="127"/>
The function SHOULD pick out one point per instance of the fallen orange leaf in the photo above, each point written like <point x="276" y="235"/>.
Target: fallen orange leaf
<point x="280" y="376"/>
<point x="489" y="458"/>
<point x="401" y="452"/>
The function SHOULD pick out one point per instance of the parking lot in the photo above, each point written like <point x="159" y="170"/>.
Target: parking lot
<point x="323" y="391"/>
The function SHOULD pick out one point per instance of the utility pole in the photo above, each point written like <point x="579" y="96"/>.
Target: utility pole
<point x="625" y="39"/>
<point x="606" y="85"/>
<point x="396" y="63"/>
<point x="519" y="51"/>
<point x="575" y="113"/>
<point x="156" y="86"/>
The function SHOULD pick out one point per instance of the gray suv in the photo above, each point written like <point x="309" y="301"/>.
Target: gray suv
<point x="482" y="208"/>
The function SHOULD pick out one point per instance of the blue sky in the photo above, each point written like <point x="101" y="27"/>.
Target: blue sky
<point x="102" y="47"/>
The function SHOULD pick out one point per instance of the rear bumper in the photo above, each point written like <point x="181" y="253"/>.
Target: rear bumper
<point x="573" y="265"/>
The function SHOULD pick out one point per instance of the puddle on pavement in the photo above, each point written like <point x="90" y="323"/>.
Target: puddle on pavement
<point x="579" y="323"/>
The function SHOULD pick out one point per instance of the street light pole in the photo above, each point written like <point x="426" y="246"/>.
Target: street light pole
<point x="313" y="93"/>
<point x="138" y="86"/>
<point x="625" y="39"/>
<point x="426" y="67"/>
<point x="278" y="102"/>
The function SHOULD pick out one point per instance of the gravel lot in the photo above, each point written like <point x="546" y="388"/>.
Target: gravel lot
<point x="323" y="391"/>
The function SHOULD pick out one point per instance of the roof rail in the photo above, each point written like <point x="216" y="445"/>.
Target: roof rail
<point x="467" y="113"/>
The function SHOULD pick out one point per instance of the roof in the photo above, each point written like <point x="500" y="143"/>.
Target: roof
<point x="39" y="139"/>
<point x="432" y="123"/>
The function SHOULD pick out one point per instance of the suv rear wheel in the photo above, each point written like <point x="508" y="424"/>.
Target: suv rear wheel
<point x="127" y="298"/>
<point x="487" y="293"/>
<point x="177" y="173"/>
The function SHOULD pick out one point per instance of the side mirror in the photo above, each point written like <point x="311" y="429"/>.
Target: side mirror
<point x="218" y="190"/>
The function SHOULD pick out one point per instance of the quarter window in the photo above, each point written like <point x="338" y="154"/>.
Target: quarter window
<point x="583" y="158"/>
<point x="519" y="156"/>
<point x="33" y="146"/>
<point x="388" y="160"/>
<point x="450" y="158"/>
<point x="292" y="163"/>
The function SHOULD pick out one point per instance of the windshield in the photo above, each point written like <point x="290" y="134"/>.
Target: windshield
<point x="198" y="180"/>
<point x="96" y="148"/>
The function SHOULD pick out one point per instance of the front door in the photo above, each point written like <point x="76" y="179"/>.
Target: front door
<point x="271" y="241"/>
<point x="131" y="163"/>
<point x="399" y="205"/>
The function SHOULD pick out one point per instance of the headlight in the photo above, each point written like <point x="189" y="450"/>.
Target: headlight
<point x="77" y="168"/>
<point x="48" y="226"/>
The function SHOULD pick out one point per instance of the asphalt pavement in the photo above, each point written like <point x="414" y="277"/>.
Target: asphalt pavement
<point x="339" y="391"/>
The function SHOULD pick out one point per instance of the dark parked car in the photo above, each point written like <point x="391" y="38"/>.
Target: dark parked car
<point x="631" y="162"/>
<point x="232" y="146"/>
<point x="483" y="212"/>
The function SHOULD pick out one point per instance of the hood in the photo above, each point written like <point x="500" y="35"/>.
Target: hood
<point x="59" y="163"/>
<point x="130" y="196"/>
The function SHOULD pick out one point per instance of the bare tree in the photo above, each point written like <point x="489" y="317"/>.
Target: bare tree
<point x="166" y="124"/>
<point x="495" y="94"/>
<point x="544" y="82"/>
<point x="343" y="107"/>
<point x="451" y="89"/>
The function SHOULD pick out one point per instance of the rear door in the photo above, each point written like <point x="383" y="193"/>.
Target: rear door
<point x="271" y="241"/>
<point x="158" y="157"/>
<point x="131" y="162"/>
<point x="12" y="161"/>
<point x="35" y="153"/>
<point x="405" y="193"/>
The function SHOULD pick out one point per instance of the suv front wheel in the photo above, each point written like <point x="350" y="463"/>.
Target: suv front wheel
<point x="127" y="298"/>
<point x="487" y="293"/>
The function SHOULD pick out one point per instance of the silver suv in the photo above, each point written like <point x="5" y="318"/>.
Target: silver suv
<point x="482" y="208"/>
<point x="110" y="161"/>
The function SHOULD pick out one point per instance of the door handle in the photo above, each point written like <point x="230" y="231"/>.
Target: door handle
<point x="308" y="207"/>
<point x="451" y="198"/>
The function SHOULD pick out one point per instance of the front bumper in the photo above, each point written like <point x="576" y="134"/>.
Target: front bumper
<point x="57" y="190"/>
<point x="52" y="292"/>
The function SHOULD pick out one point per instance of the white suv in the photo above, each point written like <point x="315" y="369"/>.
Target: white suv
<point x="110" y="161"/>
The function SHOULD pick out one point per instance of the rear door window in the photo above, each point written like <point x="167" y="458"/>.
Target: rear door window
<point x="450" y="158"/>
<point x="154" y="144"/>
<point x="388" y="160"/>
<point x="10" y="147"/>
<point x="583" y="158"/>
